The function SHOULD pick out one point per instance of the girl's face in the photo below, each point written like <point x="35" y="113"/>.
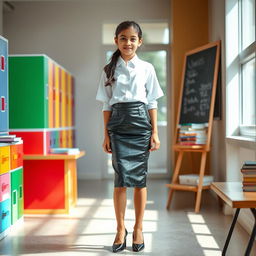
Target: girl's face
<point x="127" y="42"/>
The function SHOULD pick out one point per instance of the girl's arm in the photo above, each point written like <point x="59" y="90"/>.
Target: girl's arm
<point x="106" y="143"/>
<point x="154" y="142"/>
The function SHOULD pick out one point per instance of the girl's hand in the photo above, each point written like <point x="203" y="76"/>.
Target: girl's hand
<point x="106" y="145"/>
<point x="154" y="142"/>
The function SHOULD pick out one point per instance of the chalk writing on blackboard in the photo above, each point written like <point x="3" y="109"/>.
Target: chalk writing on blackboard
<point x="197" y="88"/>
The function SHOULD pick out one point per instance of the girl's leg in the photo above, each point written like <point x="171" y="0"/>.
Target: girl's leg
<point x="120" y="205"/>
<point x="140" y="199"/>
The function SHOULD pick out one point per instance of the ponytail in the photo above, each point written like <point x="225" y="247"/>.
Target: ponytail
<point x="110" y="68"/>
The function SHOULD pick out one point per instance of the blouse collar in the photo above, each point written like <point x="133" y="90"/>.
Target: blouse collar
<point x="132" y="63"/>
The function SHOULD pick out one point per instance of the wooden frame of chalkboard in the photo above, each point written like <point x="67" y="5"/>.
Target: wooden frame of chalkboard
<point x="198" y="87"/>
<point x="196" y="105"/>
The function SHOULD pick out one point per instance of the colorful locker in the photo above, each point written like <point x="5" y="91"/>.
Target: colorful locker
<point x="28" y="90"/>
<point x="5" y="213"/>
<point x="69" y="134"/>
<point x="3" y="84"/>
<point x="17" y="201"/>
<point x="16" y="155"/>
<point x="4" y="186"/>
<point x="4" y="159"/>
<point x="69" y="103"/>
<point x="73" y="100"/>
<point x="67" y="96"/>
<point x="57" y="96"/>
<point x="63" y="99"/>
<point x="5" y="203"/>
<point x="35" y="142"/>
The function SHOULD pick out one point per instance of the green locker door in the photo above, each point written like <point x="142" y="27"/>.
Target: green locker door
<point x="20" y="195"/>
<point x="17" y="194"/>
<point x="28" y="92"/>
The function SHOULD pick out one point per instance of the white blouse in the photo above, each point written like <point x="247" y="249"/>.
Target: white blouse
<point x="135" y="81"/>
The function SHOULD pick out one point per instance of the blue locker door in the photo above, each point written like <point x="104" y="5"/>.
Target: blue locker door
<point x="4" y="126"/>
<point x="5" y="214"/>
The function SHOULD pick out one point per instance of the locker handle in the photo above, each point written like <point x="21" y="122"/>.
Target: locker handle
<point x="19" y="154"/>
<point x="20" y="191"/>
<point x="4" y="214"/>
<point x="2" y="63"/>
<point x="3" y="103"/>
<point x="15" y="156"/>
<point x="4" y="159"/>
<point x="4" y="186"/>
<point x="14" y="193"/>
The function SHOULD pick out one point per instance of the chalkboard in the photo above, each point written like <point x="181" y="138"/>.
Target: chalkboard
<point x="199" y="77"/>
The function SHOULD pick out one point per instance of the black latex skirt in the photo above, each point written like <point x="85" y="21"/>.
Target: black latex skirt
<point x="130" y="130"/>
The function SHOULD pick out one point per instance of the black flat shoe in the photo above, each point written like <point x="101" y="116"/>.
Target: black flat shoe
<point x="137" y="247"/>
<point x="120" y="247"/>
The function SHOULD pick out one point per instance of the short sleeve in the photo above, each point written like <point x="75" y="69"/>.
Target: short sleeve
<point x="104" y="93"/>
<point x="153" y="88"/>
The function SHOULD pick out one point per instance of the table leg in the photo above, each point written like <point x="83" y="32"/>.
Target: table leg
<point x="230" y="232"/>
<point x="249" y="246"/>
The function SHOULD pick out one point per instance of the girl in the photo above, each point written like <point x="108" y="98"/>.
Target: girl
<point x="128" y="89"/>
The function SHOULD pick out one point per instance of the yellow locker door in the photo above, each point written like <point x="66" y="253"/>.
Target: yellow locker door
<point x="69" y="92"/>
<point x="63" y="99"/>
<point x="57" y="96"/>
<point x="4" y="159"/>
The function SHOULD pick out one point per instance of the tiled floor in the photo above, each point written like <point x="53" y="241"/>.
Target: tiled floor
<point x="90" y="228"/>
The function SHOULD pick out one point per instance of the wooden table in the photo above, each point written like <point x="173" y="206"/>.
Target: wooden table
<point x="50" y="183"/>
<point x="233" y="195"/>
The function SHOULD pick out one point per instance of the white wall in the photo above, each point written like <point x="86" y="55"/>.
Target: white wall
<point x="217" y="32"/>
<point x="70" y="33"/>
<point x="1" y="17"/>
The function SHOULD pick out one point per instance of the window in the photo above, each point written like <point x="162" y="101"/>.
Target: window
<point x="247" y="48"/>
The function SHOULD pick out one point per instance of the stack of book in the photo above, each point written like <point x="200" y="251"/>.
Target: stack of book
<point x="193" y="179"/>
<point x="65" y="151"/>
<point x="192" y="134"/>
<point x="9" y="138"/>
<point x="249" y="176"/>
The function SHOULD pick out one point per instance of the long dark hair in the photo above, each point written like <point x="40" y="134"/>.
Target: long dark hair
<point x="111" y="66"/>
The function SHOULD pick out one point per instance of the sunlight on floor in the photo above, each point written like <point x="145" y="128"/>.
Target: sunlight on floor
<point x="100" y="228"/>
<point x="203" y="235"/>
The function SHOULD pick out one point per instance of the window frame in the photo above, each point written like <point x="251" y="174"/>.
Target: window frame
<point x="244" y="56"/>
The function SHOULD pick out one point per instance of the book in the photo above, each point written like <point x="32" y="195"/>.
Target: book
<point x="9" y="140"/>
<point x="192" y="134"/>
<point x="250" y="163"/>
<point x="246" y="189"/>
<point x="193" y="179"/>
<point x="249" y="175"/>
<point x="8" y="136"/>
<point x="67" y="151"/>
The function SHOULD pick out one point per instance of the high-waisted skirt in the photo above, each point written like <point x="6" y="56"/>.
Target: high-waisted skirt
<point x="130" y="131"/>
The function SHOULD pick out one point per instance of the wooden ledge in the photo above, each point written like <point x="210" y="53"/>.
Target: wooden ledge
<point x="195" y="148"/>
<point x="183" y="187"/>
<point x="53" y="156"/>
